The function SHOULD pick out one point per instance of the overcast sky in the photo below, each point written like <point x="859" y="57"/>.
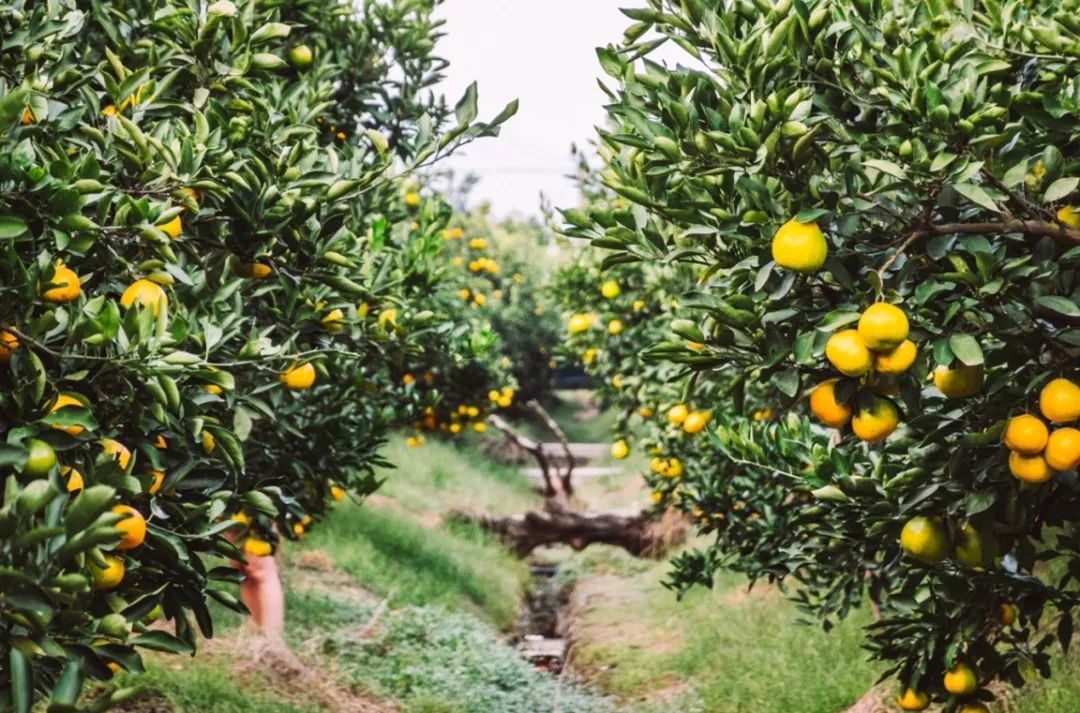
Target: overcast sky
<point x="541" y="52"/>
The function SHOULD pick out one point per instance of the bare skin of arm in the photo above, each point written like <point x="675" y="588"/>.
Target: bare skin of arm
<point x="263" y="595"/>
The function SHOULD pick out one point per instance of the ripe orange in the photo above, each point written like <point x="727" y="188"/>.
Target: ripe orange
<point x="925" y="539"/>
<point x="337" y="492"/>
<point x="171" y="228"/>
<point x="253" y="270"/>
<point x="117" y="451"/>
<point x="960" y="680"/>
<point x="256" y="547"/>
<point x="8" y="344"/>
<point x="1026" y="434"/>
<point x="109" y="576"/>
<point x="883" y="327"/>
<point x="974" y="707"/>
<point x="74" y="478"/>
<point x="800" y="246"/>
<point x="898" y="360"/>
<point x="298" y="377"/>
<point x="66" y="285"/>
<point x="615" y="326"/>
<point x="155" y="484"/>
<point x="876" y="423"/>
<point x="824" y="405"/>
<point x="912" y="700"/>
<point x="696" y="421"/>
<point x="620" y="449"/>
<point x="147" y="294"/>
<point x="1069" y="215"/>
<point x="959" y="381"/>
<point x="1063" y="449"/>
<point x="208" y="442"/>
<point x="677" y="414"/>
<point x="610" y="289"/>
<point x="1059" y="400"/>
<point x="333" y="320"/>
<point x="580" y="322"/>
<point x="1007" y="613"/>
<point x="67" y="400"/>
<point x="1033" y="469"/>
<point x="132" y="527"/>
<point x="848" y="353"/>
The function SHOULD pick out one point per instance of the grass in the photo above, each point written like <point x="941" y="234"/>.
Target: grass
<point x="200" y="685"/>
<point x="398" y="546"/>
<point x="433" y="660"/>
<point x="722" y="651"/>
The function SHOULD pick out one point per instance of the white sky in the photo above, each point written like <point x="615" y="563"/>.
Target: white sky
<point x="541" y="52"/>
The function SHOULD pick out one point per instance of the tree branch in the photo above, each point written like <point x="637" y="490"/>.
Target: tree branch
<point x="529" y="446"/>
<point x="553" y="426"/>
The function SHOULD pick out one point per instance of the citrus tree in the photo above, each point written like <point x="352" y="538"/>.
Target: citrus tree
<point x="211" y="261"/>
<point x="878" y="200"/>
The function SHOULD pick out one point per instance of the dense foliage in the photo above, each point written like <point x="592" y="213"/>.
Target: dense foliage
<point x="214" y="270"/>
<point x="812" y="162"/>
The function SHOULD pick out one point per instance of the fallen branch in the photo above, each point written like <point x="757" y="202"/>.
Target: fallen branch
<point x="635" y="532"/>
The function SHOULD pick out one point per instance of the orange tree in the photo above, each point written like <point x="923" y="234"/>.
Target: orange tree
<point x="874" y="193"/>
<point x="210" y="265"/>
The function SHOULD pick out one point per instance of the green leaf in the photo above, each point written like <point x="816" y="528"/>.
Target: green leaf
<point x="1059" y="305"/>
<point x="22" y="681"/>
<point x="11" y="227"/>
<point x="465" y="111"/>
<point x="977" y="195"/>
<point x="1060" y="188"/>
<point x="887" y="167"/>
<point x="966" y="349"/>
<point x="162" y="641"/>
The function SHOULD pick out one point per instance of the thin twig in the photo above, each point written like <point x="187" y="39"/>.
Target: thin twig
<point x="554" y="427"/>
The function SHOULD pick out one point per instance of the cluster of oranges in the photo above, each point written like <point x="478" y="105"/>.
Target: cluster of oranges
<point x="878" y="351"/>
<point x="692" y="421"/>
<point x="1035" y="452"/>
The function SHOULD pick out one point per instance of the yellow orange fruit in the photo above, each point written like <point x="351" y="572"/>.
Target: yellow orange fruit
<point x="74" y="478"/>
<point x="337" y="492"/>
<point x="877" y="422"/>
<point x="1033" y="469"/>
<point x="209" y="443"/>
<point x="1059" y="400"/>
<point x="695" y="422"/>
<point x="132" y="527"/>
<point x="620" y="449"/>
<point x="677" y="414"/>
<point x="912" y="700"/>
<point x="1070" y="216"/>
<point x="846" y="351"/>
<point x="973" y="707"/>
<point x="615" y="326"/>
<point x="883" y="327"/>
<point x="824" y="405"/>
<point x="579" y="322"/>
<point x="172" y="227"/>
<point x="925" y="539"/>
<point x="62" y="401"/>
<point x="959" y="381"/>
<point x="147" y="294"/>
<point x="298" y="376"/>
<point x="157" y="478"/>
<point x="1026" y="434"/>
<point x="800" y="246"/>
<point x="1007" y="613"/>
<point x="610" y="289"/>
<point x="66" y="285"/>
<point x="256" y="547"/>
<point x="1063" y="449"/>
<point x="109" y="576"/>
<point x="117" y="451"/>
<point x="253" y="270"/>
<point x="333" y="320"/>
<point x="898" y="360"/>
<point x="8" y="344"/>
<point x="960" y="680"/>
